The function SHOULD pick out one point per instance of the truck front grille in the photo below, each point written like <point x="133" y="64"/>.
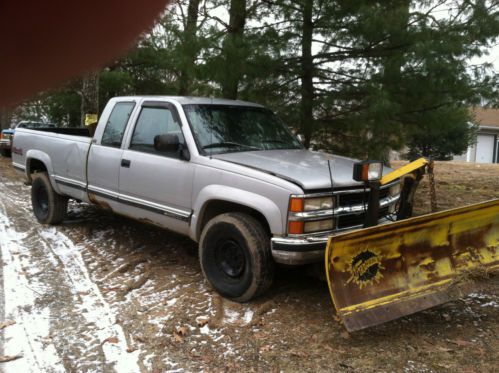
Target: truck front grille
<point x="350" y="199"/>
<point x="348" y="221"/>
<point x="349" y="211"/>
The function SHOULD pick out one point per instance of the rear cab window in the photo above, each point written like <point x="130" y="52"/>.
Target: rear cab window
<point x="116" y="124"/>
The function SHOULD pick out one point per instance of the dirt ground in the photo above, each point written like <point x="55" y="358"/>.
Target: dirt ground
<point x="117" y="294"/>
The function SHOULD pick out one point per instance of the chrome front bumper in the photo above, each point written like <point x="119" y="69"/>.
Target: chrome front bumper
<point x="306" y="250"/>
<point x="296" y="251"/>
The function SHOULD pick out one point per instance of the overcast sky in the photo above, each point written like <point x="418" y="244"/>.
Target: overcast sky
<point x="493" y="58"/>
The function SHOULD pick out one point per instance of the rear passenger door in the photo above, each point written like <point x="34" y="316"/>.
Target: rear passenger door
<point x="103" y="166"/>
<point x="155" y="185"/>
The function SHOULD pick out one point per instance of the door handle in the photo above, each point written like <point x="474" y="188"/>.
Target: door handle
<point x="125" y="163"/>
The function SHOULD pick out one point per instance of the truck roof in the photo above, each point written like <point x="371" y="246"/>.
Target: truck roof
<point x="186" y="100"/>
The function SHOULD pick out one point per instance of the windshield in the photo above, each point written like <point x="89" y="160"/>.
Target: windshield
<point x="223" y="129"/>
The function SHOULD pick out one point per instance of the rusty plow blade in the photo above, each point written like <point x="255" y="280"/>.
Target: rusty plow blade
<point x="382" y="273"/>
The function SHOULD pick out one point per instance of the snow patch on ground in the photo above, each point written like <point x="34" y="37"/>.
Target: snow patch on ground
<point x="30" y="335"/>
<point x="231" y="316"/>
<point x="234" y="317"/>
<point x="248" y="316"/>
<point x="491" y="304"/>
<point x="93" y="307"/>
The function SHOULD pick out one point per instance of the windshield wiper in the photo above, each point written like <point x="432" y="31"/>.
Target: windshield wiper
<point x="277" y="141"/>
<point x="229" y="144"/>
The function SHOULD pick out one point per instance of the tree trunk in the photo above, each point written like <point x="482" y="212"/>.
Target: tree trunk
<point x="392" y="74"/>
<point x="89" y="95"/>
<point x="396" y="40"/>
<point x="190" y="48"/>
<point x="233" y="49"/>
<point x="307" y="84"/>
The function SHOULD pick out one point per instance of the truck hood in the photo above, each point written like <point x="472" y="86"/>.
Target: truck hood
<point x="303" y="167"/>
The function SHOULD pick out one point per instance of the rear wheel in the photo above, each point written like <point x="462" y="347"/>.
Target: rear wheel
<point x="235" y="256"/>
<point x="5" y="152"/>
<point x="49" y="207"/>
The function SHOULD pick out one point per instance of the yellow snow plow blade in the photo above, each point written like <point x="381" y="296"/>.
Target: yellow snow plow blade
<point x="382" y="273"/>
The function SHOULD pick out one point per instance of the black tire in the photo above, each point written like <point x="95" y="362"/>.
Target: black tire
<point x="49" y="207"/>
<point x="235" y="256"/>
<point x="5" y="152"/>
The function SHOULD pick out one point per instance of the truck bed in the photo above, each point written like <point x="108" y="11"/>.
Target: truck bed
<point x="64" y="152"/>
<point x="75" y="131"/>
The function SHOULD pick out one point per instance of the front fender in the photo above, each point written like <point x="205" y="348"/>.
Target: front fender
<point x="263" y="205"/>
<point x="34" y="154"/>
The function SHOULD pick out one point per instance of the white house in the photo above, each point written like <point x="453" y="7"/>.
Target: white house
<point x="486" y="148"/>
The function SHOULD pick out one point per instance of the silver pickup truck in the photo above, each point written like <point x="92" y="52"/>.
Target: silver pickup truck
<point x="228" y="174"/>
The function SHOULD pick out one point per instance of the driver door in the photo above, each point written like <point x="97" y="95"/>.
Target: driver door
<point x="156" y="185"/>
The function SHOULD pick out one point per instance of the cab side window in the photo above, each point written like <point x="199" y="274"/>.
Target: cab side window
<point x="116" y="124"/>
<point x="155" y="121"/>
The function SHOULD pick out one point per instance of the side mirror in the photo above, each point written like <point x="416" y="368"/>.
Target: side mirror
<point x="166" y="143"/>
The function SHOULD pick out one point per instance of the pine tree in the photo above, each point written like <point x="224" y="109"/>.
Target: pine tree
<point x="355" y="77"/>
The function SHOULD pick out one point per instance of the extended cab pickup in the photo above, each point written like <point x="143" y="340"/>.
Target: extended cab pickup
<point x="228" y="174"/>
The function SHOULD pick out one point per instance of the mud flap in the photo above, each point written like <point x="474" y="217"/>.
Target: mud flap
<point x="382" y="273"/>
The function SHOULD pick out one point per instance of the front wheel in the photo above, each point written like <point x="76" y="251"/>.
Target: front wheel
<point x="49" y="207"/>
<point x="235" y="256"/>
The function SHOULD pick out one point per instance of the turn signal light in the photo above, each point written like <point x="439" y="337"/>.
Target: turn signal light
<point x="296" y="204"/>
<point x="295" y="227"/>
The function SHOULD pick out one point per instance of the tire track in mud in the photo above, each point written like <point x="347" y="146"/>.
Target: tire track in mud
<point x="79" y="324"/>
<point x="31" y="330"/>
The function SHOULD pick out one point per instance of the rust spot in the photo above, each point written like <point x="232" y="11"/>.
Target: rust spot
<point x="492" y="249"/>
<point x="428" y="267"/>
<point x="102" y="204"/>
<point x="432" y="276"/>
<point x="450" y="247"/>
<point x="147" y="221"/>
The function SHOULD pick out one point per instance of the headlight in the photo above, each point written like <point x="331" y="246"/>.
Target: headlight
<point x="318" y="225"/>
<point x="300" y="204"/>
<point x="395" y="190"/>
<point x="367" y="171"/>
<point x="324" y="203"/>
